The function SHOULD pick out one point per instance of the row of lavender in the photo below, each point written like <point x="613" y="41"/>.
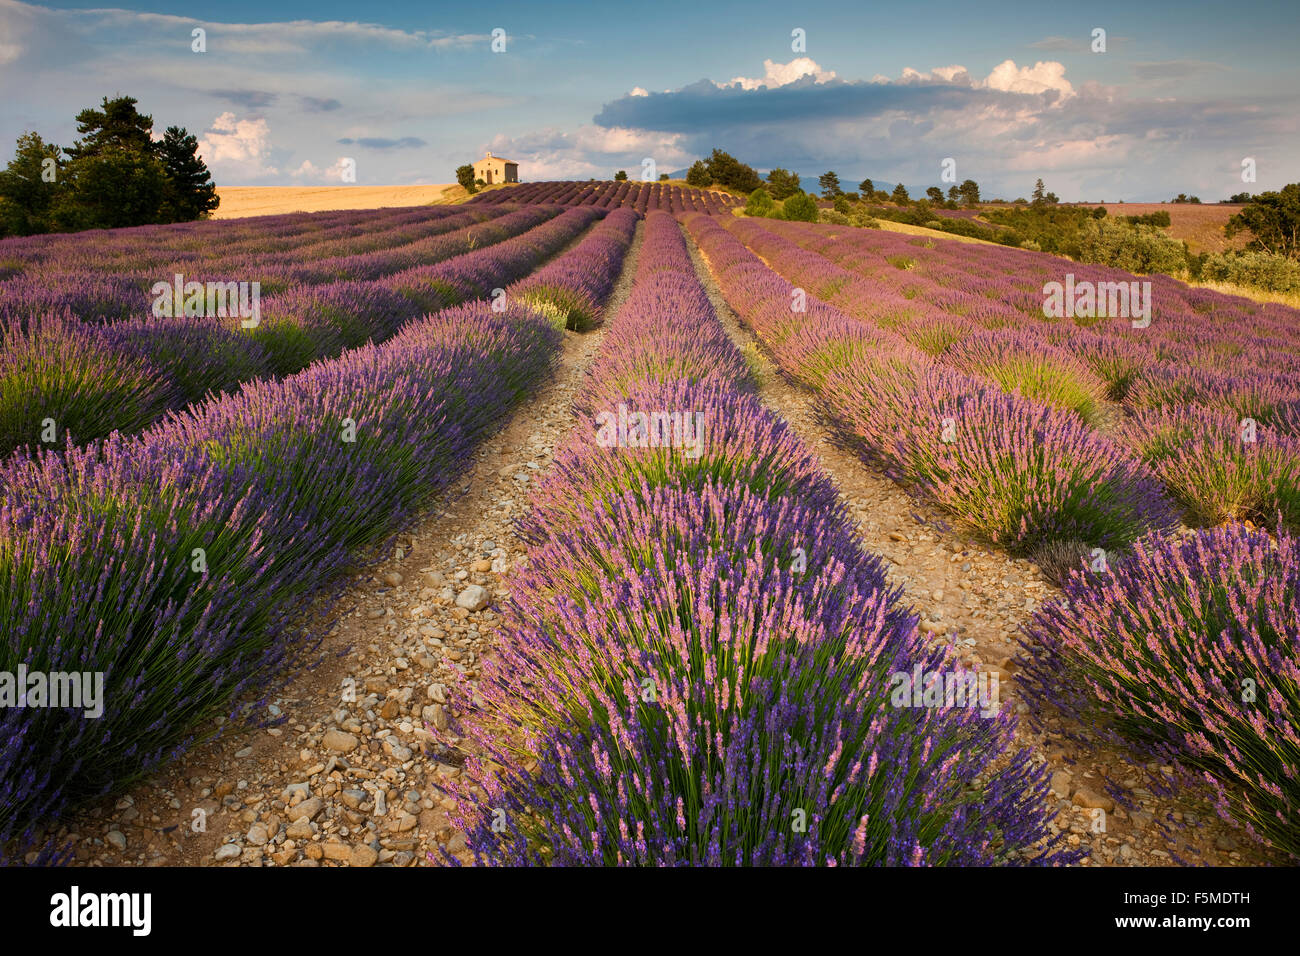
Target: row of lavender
<point x="1228" y="449"/>
<point x="64" y="380"/>
<point x="124" y="290"/>
<point x="171" y="565"/>
<point x="175" y="563"/>
<point x="698" y="658"/>
<point x="1176" y="344"/>
<point x="152" y="247"/>
<point x="1187" y="651"/>
<point x="643" y="197"/>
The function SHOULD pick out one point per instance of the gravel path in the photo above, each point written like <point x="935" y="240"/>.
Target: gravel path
<point x="344" y="779"/>
<point x="976" y="600"/>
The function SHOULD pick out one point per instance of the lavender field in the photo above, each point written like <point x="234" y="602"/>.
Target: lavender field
<point x="216" y="436"/>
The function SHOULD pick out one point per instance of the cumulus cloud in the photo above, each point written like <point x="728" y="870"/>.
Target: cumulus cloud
<point x="589" y="151"/>
<point x="782" y="74"/>
<point x="1001" y="127"/>
<point x="310" y="172"/>
<point x="237" y="147"/>
<point x="1043" y="77"/>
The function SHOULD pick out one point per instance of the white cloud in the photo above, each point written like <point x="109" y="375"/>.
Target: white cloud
<point x="781" y="74"/>
<point x="590" y="151"/>
<point x="639" y="91"/>
<point x="237" y="147"/>
<point x="333" y="174"/>
<point x="1042" y="77"/>
<point x="940" y="74"/>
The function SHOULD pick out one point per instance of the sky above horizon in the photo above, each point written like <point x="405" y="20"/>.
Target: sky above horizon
<point x="287" y="92"/>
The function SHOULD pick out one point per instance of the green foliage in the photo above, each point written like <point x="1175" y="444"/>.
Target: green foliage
<point x="1184" y="198"/>
<point x="189" y="192"/>
<point x="28" y="187"/>
<point x="620" y="176"/>
<point x="726" y="170"/>
<point x="867" y="188"/>
<point x="842" y="205"/>
<point x="465" y="176"/>
<point x="800" y="208"/>
<point x="117" y="126"/>
<point x="899" y="195"/>
<point x="830" y="185"/>
<point x="760" y="203"/>
<point x="663" y="177"/>
<point x="1132" y="248"/>
<point x="698" y="175"/>
<point x="935" y="195"/>
<point x="1158" y="218"/>
<point x="782" y="184"/>
<point x="1274" y="220"/>
<point x="1259" y="269"/>
<point x="112" y="188"/>
<point x="115" y="175"/>
<point x="969" y="191"/>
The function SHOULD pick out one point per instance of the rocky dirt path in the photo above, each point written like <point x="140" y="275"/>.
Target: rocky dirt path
<point x="976" y="600"/>
<point x="344" y="779"/>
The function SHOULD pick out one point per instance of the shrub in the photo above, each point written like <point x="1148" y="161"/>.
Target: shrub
<point x="1138" y="249"/>
<point x="800" y="208"/>
<point x="1188" y="653"/>
<point x="1018" y="472"/>
<point x="57" y="369"/>
<point x="1217" y="468"/>
<point x="1026" y="365"/>
<point x="1260" y="270"/>
<point x="760" y="203"/>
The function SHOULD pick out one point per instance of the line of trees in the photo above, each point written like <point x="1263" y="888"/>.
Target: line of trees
<point x="115" y="174"/>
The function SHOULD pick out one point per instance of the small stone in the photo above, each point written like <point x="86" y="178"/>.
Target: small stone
<point x="1083" y="797"/>
<point x="1061" y="784"/>
<point x="458" y="843"/>
<point x="117" y="838"/>
<point x="1225" y="843"/>
<point x="227" y="851"/>
<point x="308" y="809"/>
<point x="300" y="829"/>
<point x="393" y="579"/>
<point x="257" y="835"/>
<point x="337" y="851"/>
<point x="473" y="598"/>
<point x="339" y="741"/>
<point x="363" y="855"/>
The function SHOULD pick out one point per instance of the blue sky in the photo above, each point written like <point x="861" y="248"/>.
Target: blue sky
<point x="1010" y="91"/>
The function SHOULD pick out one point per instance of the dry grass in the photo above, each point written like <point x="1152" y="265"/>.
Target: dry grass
<point x="1259" y="295"/>
<point x="934" y="233"/>
<point x="1199" y="225"/>
<point x="238" y="202"/>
